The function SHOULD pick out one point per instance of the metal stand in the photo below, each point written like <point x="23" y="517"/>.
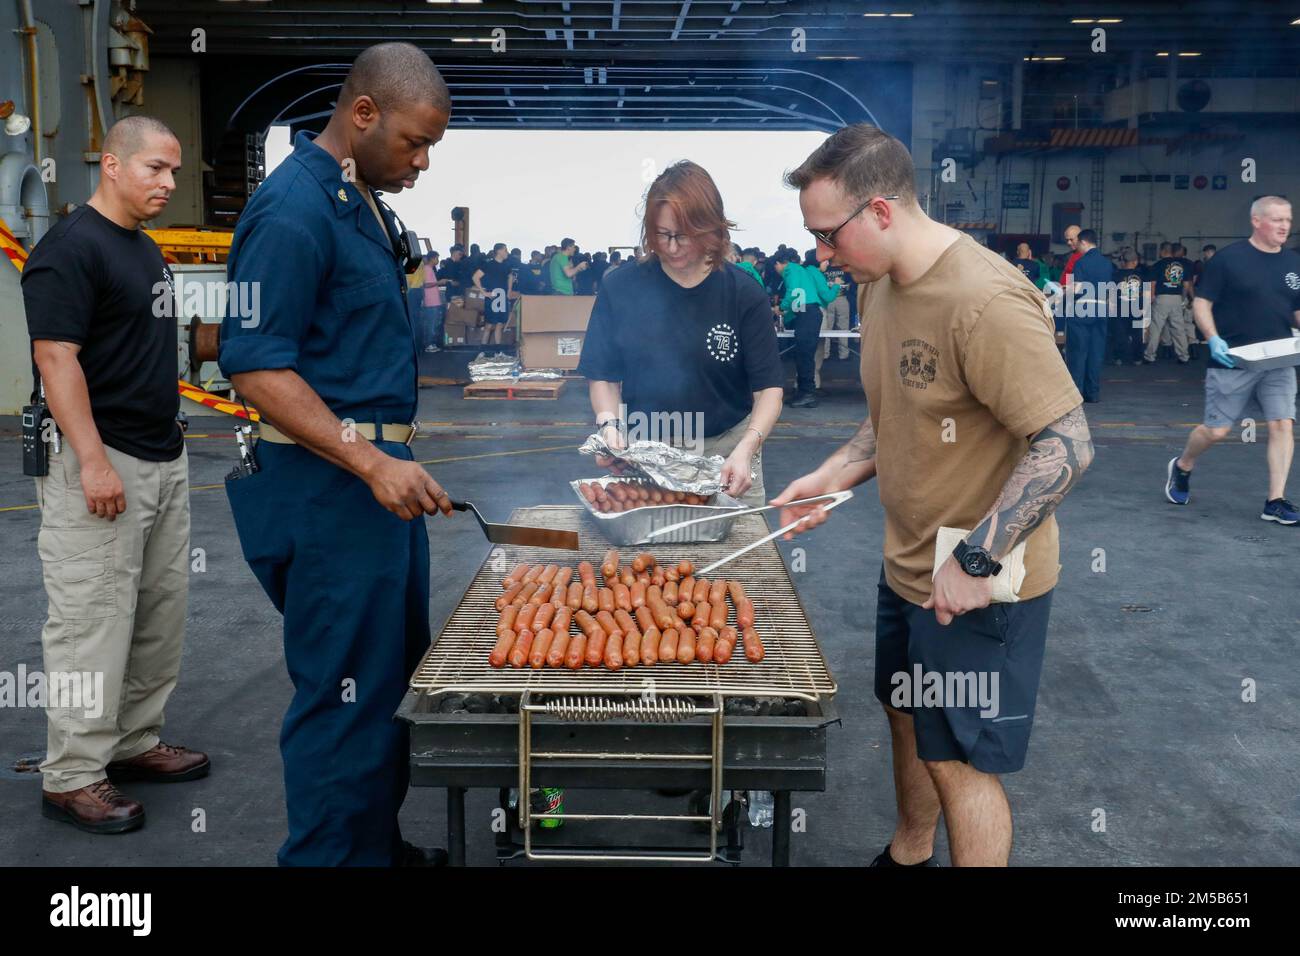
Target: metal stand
<point x="660" y="710"/>
<point x="456" y="826"/>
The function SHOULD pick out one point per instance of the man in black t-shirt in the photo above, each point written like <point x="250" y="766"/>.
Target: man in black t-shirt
<point x="1249" y="293"/>
<point x="1128" y="312"/>
<point x="495" y="279"/>
<point x="1172" y="275"/>
<point x="115" y="516"/>
<point x="453" y="270"/>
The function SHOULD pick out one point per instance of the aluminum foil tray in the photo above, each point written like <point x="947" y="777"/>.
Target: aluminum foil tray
<point x="632" y="527"/>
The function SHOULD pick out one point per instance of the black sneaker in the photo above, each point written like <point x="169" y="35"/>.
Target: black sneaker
<point x="884" y="859"/>
<point x="1178" y="483"/>
<point x="804" y="401"/>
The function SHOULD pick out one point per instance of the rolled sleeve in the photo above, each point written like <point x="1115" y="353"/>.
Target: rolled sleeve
<point x="276" y="266"/>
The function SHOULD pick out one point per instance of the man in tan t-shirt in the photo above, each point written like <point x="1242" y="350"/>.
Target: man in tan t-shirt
<point x="975" y="426"/>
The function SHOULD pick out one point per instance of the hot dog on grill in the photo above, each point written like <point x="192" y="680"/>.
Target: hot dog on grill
<point x="725" y="644"/>
<point x="501" y="652"/>
<point x="754" y="651"/>
<point x="574" y="598"/>
<point x="704" y="645"/>
<point x="515" y="577"/>
<point x="668" y="645"/>
<point x="506" y="622"/>
<point x="622" y="596"/>
<point x="541" y="645"/>
<point x="509" y="596"/>
<point x="685" y="646"/>
<point x="542" y="619"/>
<point x="650" y="641"/>
<point x="609" y="567"/>
<point x="519" y="653"/>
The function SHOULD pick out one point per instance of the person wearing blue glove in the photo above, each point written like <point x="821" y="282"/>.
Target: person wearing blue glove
<point x="1219" y="352"/>
<point x="1249" y="292"/>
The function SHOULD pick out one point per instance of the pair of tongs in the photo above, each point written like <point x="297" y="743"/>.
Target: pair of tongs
<point x="835" y="498"/>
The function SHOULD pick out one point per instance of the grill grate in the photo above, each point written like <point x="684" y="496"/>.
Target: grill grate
<point x="793" y="666"/>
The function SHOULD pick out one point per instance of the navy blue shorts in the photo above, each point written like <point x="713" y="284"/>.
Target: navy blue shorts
<point x="971" y="686"/>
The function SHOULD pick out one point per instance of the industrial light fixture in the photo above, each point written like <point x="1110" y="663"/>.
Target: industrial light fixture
<point x="1044" y="59"/>
<point x="839" y="57"/>
<point x="1166" y="53"/>
<point x="471" y="39"/>
<point x="453" y="1"/>
<point x="1098" y="20"/>
<point x="889" y="14"/>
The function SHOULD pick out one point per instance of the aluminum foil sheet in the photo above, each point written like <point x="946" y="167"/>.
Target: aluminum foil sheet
<point x="668" y="467"/>
<point x="541" y="375"/>
<point x="493" y="367"/>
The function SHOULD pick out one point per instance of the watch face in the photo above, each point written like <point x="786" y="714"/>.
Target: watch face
<point x="976" y="564"/>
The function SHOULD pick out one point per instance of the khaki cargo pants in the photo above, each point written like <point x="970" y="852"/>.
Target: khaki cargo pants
<point x="117" y="594"/>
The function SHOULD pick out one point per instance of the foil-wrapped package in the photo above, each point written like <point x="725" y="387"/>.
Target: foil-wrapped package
<point x="541" y="375"/>
<point x="493" y="367"/>
<point x="668" y="467"/>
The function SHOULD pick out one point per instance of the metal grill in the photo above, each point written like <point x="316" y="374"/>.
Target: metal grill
<point x="793" y="666"/>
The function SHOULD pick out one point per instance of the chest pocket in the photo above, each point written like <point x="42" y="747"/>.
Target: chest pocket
<point x="376" y="331"/>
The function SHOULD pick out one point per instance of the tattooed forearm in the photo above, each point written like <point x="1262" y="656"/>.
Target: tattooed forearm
<point x="1056" y="458"/>
<point x="862" y="446"/>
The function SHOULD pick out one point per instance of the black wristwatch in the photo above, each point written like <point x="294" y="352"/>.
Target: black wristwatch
<point x="974" y="560"/>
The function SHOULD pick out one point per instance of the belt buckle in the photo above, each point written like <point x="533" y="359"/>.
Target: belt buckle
<point x="411" y="437"/>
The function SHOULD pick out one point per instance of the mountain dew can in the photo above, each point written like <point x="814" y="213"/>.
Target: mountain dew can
<point x="549" y="800"/>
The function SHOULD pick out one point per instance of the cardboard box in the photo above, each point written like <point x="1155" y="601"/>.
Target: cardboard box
<point x="550" y="350"/>
<point x="554" y="313"/>
<point x="463" y="315"/>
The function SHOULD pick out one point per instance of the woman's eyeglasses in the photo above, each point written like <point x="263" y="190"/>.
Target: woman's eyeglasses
<point x="828" y="238"/>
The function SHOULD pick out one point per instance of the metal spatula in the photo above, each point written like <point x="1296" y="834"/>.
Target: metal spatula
<point x="525" y="537"/>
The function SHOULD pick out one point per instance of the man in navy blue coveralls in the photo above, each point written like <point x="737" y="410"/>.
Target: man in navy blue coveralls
<point x="332" y="523"/>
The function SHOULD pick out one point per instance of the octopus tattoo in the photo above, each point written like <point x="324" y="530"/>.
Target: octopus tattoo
<point x="1056" y="458"/>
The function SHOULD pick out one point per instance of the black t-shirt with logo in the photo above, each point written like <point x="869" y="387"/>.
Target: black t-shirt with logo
<point x="108" y="289"/>
<point x="1170" y="274"/>
<point x="1255" y="293"/>
<point x="706" y="349"/>
<point x="1129" y="283"/>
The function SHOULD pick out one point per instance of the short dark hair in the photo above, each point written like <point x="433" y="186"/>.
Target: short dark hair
<point x="1210" y="248"/>
<point x="565" y="243"/>
<point x="864" y="161"/>
<point x="499" y="245"/>
<point x="126" y="137"/>
<point x="458" y="248"/>
<point x="395" y="75"/>
<point x="1089" y="236"/>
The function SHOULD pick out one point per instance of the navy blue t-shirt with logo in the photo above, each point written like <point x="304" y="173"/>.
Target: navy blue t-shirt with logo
<point x="1170" y="274"/>
<point x="706" y="349"/>
<point x="1255" y="293"/>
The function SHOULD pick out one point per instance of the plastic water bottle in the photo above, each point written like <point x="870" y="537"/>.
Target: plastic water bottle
<point x="760" y="808"/>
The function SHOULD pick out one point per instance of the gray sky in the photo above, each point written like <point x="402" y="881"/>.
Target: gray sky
<point x="531" y="188"/>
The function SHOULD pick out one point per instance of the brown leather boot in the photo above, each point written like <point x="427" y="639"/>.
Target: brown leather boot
<point x="162" y="764"/>
<point x="98" y="808"/>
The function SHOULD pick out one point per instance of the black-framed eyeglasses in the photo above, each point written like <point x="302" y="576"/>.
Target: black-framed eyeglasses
<point x="829" y="237"/>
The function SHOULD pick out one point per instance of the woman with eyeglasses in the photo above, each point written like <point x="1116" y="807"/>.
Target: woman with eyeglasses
<point x="680" y="347"/>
